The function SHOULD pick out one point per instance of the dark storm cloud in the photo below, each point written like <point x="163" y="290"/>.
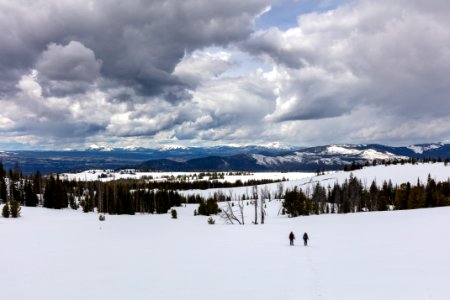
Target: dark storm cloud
<point x="73" y="62"/>
<point x="67" y="69"/>
<point x="139" y="42"/>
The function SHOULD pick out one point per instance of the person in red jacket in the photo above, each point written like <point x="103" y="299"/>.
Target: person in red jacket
<point x="291" y="238"/>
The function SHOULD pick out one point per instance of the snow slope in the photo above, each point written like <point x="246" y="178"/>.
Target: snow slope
<point x="398" y="174"/>
<point x="66" y="254"/>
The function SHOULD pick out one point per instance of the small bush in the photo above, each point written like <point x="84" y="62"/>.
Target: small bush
<point x="5" y="211"/>
<point x="101" y="217"/>
<point x="15" y="209"/>
<point x="211" y="221"/>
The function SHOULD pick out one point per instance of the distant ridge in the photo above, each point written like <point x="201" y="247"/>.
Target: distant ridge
<point x="273" y="157"/>
<point x="329" y="157"/>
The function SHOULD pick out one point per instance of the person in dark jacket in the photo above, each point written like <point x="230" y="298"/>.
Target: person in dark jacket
<point x="291" y="238"/>
<point x="305" y="239"/>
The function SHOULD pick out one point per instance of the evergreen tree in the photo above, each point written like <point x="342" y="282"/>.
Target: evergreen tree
<point x="50" y="193"/>
<point x="61" y="200"/>
<point x="294" y="203"/>
<point x="335" y="198"/>
<point x="2" y="170"/>
<point x="373" y="191"/>
<point x="416" y="198"/>
<point x="3" y="190"/>
<point x="345" y="207"/>
<point x="210" y="207"/>
<point x="30" y="197"/>
<point x="354" y="193"/>
<point x="382" y="203"/>
<point x="430" y="190"/>
<point x="440" y="199"/>
<point x="387" y="191"/>
<point x="319" y="194"/>
<point x="402" y="195"/>
<point x="37" y="183"/>
<point x="55" y="195"/>
<point x="15" y="193"/>
<point x="125" y="200"/>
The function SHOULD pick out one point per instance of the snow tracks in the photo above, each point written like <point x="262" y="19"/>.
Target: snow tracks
<point x="302" y="276"/>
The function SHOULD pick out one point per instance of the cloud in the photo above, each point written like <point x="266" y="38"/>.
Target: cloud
<point x="196" y="71"/>
<point x="48" y="119"/>
<point x="123" y="52"/>
<point x="201" y="66"/>
<point x="67" y="69"/>
<point x="73" y="62"/>
<point x="386" y="54"/>
<point x="139" y="42"/>
<point x="228" y="109"/>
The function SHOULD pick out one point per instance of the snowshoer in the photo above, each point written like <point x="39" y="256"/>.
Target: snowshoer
<point x="292" y="238"/>
<point x="305" y="239"/>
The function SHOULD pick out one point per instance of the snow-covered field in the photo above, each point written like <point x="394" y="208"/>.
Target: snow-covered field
<point x="91" y="175"/>
<point x="66" y="254"/>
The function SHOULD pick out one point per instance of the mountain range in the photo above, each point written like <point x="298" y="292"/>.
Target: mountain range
<point x="220" y="158"/>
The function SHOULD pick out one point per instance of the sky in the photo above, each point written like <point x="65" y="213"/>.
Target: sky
<point x="210" y="72"/>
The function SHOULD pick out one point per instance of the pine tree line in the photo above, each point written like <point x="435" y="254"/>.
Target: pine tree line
<point x="353" y="196"/>
<point x="114" y="197"/>
<point x="16" y="190"/>
<point x="205" y="184"/>
<point x="356" y="165"/>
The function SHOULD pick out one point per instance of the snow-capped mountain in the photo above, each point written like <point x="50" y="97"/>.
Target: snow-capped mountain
<point x="172" y="147"/>
<point x="420" y="149"/>
<point x="94" y="147"/>
<point x="271" y="157"/>
<point x="330" y="157"/>
<point x="279" y="146"/>
<point x="327" y="156"/>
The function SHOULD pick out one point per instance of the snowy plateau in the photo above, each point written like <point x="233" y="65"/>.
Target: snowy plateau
<point x="67" y="254"/>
